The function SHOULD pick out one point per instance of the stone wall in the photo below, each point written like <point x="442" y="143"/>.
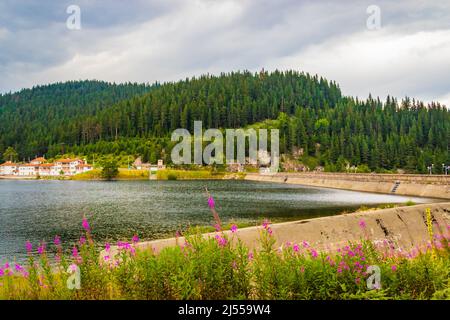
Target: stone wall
<point x="411" y="185"/>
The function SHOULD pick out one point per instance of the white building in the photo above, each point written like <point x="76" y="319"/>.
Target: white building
<point x="8" y="168"/>
<point x="45" y="169"/>
<point x="67" y="166"/>
<point x="83" y="168"/>
<point x="37" y="161"/>
<point x="27" y="169"/>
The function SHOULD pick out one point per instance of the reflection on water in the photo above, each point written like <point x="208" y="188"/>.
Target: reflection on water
<point x="38" y="210"/>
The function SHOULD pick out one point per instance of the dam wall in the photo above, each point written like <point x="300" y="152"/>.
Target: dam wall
<point x="401" y="227"/>
<point x="431" y="186"/>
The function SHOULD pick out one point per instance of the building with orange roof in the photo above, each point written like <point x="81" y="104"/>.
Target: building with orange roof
<point x="38" y="160"/>
<point x="27" y="169"/>
<point x="8" y="168"/>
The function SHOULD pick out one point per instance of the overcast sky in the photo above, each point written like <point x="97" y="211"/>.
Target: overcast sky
<point x="168" y="40"/>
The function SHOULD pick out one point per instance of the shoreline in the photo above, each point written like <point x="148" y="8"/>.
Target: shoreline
<point x="426" y="186"/>
<point x="403" y="227"/>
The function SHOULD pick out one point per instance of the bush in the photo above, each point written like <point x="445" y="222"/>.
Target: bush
<point x="110" y="169"/>
<point x="221" y="267"/>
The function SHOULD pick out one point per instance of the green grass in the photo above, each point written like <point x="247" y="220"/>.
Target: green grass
<point x="170" y="174"/>
<point x="222" y="267"/>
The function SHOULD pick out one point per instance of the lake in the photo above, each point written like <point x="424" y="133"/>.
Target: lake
<point x="38" y="210"/>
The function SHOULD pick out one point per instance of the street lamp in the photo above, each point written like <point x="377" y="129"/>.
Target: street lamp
<point x="430" y="168"/>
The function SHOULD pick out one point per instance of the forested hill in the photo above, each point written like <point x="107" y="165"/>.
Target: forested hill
<point x="310" y="112"/>
<point x="33" y="119"/>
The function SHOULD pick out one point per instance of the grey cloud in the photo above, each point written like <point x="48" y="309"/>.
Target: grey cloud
<point x="167" y="40"/>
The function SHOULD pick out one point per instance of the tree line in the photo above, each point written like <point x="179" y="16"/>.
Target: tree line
<point x="312" y="114"/>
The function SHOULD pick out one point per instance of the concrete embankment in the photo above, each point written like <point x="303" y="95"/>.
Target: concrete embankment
<point x="437" y="186"/>
<point x="403" y="227"/>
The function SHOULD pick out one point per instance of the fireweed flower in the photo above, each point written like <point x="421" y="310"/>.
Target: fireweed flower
<point x="314" y="253"/>
<point x="57" y="240"/>
<point x="217" y="227"/>
<point x="250" y="256"/>
<point x="41" y="248"/>
<point x="18" y="267"/>
<point x="211" y="202"/>
<point x="362" y="224"/>
<point x="82" y="240"/>
<point x="73" y="267"/>
<point x="85" y="224"/>
<point x="265" y="224"/>
<point x="221" y="241"/>
<point x="107" y="247"/>
<point x="233" y="228"/>
<point x="296" y="248"/>
<point x="135" y="239"/>
<point x="305" y="244"/>
<point x="75" y="252"/>
<point x="394" y="267"/>
<point x="29" y="247"/>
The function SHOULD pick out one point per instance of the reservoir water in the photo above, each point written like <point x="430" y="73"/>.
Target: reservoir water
<point x="39" y="210"/>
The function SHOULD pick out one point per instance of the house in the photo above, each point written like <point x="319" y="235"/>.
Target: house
<point x="38" y="161"/>
<point x="45" y="169"/>
<point x="27" y="169"/>
<point x="67" y="166"/>
<point x="83" y="168"/>
<point x="8" y="168"/>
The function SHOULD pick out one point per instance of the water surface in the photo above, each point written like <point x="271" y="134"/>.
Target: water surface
<point x="38" y="210"/>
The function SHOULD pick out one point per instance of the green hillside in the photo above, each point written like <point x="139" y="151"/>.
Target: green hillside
<point x="311" y="113"/>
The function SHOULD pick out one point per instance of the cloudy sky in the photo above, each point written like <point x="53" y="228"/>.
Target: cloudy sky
<point x="167" y="40"/>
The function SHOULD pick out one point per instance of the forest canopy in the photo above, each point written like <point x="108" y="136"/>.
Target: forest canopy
<point x="93" y="117"/>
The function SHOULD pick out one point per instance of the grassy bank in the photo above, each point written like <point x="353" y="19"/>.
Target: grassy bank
<point x="221" y="267"/>
<point x="170" y="174"/>
<point x="124" y="174"/>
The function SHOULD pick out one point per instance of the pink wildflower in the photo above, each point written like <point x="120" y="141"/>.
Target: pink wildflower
<point x="394" y="267"/>
<point x="234" y="228"/>
<point x="296" y="248"/>
<point x="41" y="248"/>
<point x="107" y="247"/>
<point x="250" y="256"/>
<point x="85" y="224"/>
<point x="75" y="252"/>
<point x="82" y="240"/>
<point x="57" y="240"/>
<point x="314" y="253"/>
<point x="135" y="239"/>
<point x="211" y="202"/>
<point x="305" y="244"/>
<point x="18" y="267"/>
<point x="362" y="224"/>
<point x="29" y="247"/>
